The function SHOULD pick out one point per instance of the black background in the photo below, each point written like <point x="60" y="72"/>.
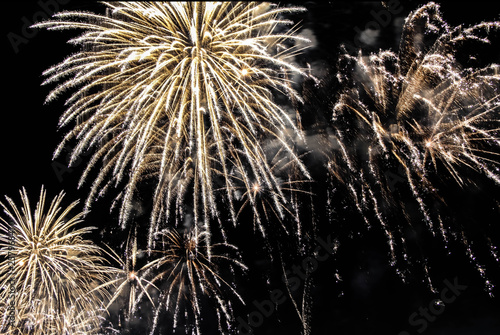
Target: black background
<point x="370" y="299"/>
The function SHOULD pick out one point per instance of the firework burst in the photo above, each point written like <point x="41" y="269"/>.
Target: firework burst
<point x="55" y="273"/>
<point x="187" y="275"/>
<point x="420" y="112"/>
<point x="203" y="74"/>
<point x="129" y="281"/>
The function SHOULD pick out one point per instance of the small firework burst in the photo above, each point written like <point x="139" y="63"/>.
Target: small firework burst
<point x="188" y="272"/>
<point x="130" y="282"/>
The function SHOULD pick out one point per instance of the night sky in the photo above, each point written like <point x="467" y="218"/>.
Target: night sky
<point x="370" y="298"/>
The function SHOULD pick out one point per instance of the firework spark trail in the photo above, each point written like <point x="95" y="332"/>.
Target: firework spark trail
<point x="421" y="110"/>
<point x="203" y="73"/>
<point x="57" y="271"/>
<point x="266" y="203"/>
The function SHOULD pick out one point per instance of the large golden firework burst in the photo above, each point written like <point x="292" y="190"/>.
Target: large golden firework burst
<point x="202" y="75"/>
<point x="48" y="271"/>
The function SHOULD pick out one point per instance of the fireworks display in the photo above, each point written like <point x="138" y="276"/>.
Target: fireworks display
<point x="248" y="178"/>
